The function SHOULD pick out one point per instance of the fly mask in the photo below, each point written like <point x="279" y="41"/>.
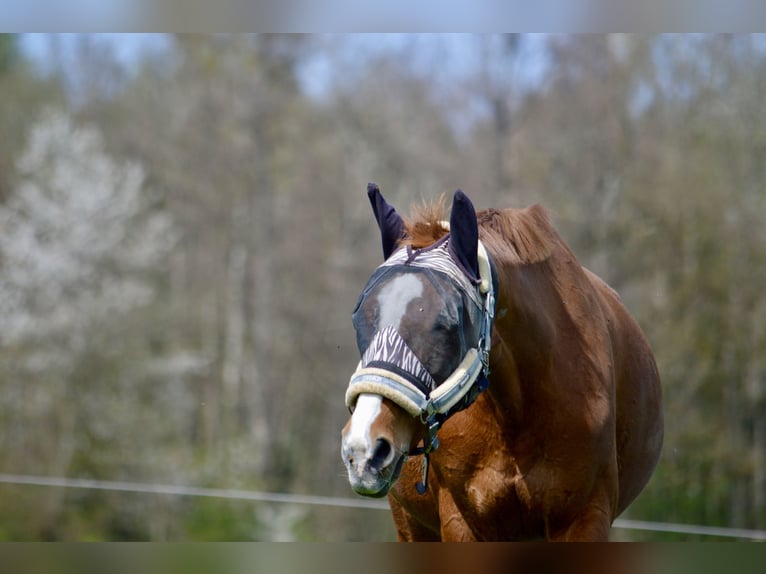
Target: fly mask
<point x="389" y="366"/>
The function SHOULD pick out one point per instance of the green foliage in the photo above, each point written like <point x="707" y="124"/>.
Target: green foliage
<point x="216" y="520"/>
<point x="8" y="52"/>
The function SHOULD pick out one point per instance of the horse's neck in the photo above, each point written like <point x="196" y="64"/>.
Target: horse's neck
<point x="527" y="318"/>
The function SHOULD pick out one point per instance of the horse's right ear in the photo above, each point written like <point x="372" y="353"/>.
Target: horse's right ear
<point x="390" y="223"/>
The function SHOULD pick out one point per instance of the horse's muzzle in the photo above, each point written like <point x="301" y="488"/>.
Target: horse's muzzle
<point x="372" y="473"/>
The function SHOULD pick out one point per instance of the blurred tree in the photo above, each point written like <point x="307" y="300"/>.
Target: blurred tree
<point x="500" y="55"/>
<point x="8" y="53"/>
<point x="71" y="219"/>
<point x="220" y="116"/>
<point x="79" y="241"/>
<point x="22" y="93"/>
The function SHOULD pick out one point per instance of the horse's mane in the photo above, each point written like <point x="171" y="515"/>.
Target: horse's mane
<point x="519" y="235"/>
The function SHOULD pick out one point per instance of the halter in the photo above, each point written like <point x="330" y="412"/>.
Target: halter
<point x="391" y="370"/>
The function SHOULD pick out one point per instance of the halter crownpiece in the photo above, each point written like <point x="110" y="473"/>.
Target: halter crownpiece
<point x="389" y="368"/>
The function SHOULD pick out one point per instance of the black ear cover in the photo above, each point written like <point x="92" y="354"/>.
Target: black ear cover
<point x="389" y="221"/>
<point x="464" y="235"/>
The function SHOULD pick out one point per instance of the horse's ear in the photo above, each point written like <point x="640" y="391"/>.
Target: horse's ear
<point x="390" y="223"/>
<point x="464" y="235"/>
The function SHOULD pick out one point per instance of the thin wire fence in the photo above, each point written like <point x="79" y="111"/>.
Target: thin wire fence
<point x="332" y="501"/>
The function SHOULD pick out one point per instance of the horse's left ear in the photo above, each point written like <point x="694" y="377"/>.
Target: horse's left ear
<point x="464" y="235"/>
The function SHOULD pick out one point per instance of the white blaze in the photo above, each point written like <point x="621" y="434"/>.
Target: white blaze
<point x="358" y="440"/>
<point x="395" y="296"/>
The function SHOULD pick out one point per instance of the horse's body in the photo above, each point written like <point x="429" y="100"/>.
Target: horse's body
<point x="570" y="429"/>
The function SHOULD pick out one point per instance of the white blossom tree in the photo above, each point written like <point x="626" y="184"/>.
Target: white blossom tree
<point x="80" y="247"/>
<point x="78" y="237"/>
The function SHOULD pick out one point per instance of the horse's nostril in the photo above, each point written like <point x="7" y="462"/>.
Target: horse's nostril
<point x="381" y="453"/>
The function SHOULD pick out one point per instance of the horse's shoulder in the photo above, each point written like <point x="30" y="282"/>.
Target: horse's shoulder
<point x="619" y="320"/>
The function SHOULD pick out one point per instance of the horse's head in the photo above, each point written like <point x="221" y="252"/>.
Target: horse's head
<point x="422" y="326"/>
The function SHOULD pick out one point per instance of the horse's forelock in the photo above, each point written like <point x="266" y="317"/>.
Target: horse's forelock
<point x="424" y="227"/>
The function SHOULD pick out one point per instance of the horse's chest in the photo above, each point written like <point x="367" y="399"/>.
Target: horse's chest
<point x="487" y="488"/>
<point x="493" y="500"/>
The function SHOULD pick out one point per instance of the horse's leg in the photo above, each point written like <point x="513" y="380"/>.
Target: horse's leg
<point x="454" y="528"/>
<point x="409" y="528"/>
<point x="592" y="524"/>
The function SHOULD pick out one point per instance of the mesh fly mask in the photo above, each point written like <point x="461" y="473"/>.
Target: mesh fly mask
<point x="389" y="366"/>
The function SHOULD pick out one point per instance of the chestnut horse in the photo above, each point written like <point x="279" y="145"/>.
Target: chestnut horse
<point x="569" y="428"/>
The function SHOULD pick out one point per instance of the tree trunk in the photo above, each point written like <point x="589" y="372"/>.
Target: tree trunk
<point x="759" y="473"/>
<point x="234" y="333"/>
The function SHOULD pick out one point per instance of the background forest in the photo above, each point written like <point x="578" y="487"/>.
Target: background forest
<point x="185" y="230"/>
